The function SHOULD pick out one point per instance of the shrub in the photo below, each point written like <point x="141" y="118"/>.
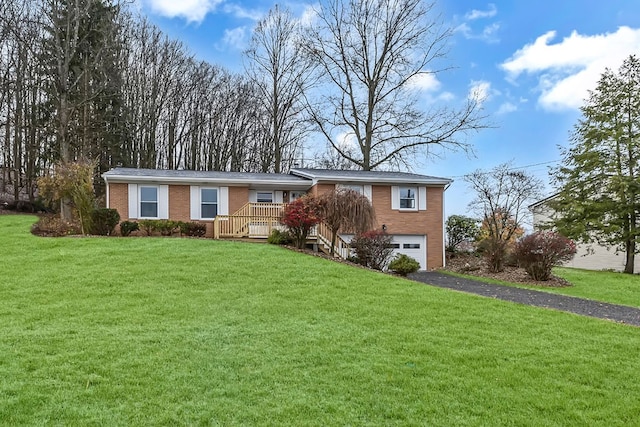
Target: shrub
<point x="539" y="252"/>
<point x="148" y="226"/>
<point x="53" y="226"/>
<point x="104" y="221"/>
<point x="127" y="227"/>
<point x="495" y="251"/>
<point x="72" y="181"/>
<point x="373" y="248"/>
<point x="460" y="229"/>
<point x="300" y="216"/>
<point x="192" y="229"/>
<point x="165" y="227"/>
<point x="403" y="264"/>
<point x="278" y="237"/>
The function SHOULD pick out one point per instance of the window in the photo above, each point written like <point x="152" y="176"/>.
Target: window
<point x="411" y="246"/>
<point x="148" y="202"/>
<point x="357" y="188"/>
<point x="407" y="198"/>
<point x="208" y="203"/>
<point x="394" y="245"/>
<point x="264" y="197"/>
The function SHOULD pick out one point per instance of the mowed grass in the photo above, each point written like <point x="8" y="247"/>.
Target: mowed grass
<point x="166" y="331"/>
<point x="616" y="288"/>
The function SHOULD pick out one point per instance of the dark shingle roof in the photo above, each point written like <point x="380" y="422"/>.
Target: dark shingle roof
<point x="132" y="174"/>
<point x="298" y="177"/>
<point x="369" y="176"/>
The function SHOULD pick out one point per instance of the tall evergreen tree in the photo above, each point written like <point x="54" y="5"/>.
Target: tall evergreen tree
<point x="599" y="191"/>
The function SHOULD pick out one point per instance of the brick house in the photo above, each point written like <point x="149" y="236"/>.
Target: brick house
<point x="410" y="207"/>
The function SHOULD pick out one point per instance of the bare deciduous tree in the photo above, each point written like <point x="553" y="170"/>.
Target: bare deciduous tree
<point x="278" y="70"/>
<point x="368" y="53"/>
<point x="502" y="198"/>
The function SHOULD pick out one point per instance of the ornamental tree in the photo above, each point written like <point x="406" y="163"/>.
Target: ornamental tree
<point x="539" y="252"/>
<point x="300" y="216"/>
<point x="502" y="197"/>
<point x="344" y="209"/>
<point x="460" y="229"/>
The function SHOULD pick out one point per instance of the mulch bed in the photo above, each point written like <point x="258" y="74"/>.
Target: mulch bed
<point x="472" y="265"/>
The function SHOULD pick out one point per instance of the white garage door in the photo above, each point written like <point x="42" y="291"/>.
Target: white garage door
<point x="414" y="246"/>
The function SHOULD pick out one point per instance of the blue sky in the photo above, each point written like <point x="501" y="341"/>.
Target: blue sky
<point x="533" y="60"/>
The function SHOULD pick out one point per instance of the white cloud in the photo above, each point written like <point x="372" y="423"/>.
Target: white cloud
<point x="478" y="14"/>
<point x="488" y="34"/>
<point x="424" y="82"/>
<point x="347" y="141"/>
<point x="507" y="108"/>
<point x="243" y="13"/>
<point x="236" y="38"/>
<point x="191" y="10"/>
<point x="568" y="69"/>
<point x="480" y="90"/>
<point x="309" y="15"/>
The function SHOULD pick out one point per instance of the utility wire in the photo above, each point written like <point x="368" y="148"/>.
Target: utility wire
<point x="513" y="168"/>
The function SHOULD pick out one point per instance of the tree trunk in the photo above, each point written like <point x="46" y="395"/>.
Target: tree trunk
<point x="630" y="247"/>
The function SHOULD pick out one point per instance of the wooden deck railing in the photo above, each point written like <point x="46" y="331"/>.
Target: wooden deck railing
<point x="323" y="234"/>
<point x="258" y="220"/>
<point x="254" y="220"/>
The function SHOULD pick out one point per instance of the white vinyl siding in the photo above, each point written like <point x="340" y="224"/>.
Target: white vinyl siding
<point x="278" y="197"/>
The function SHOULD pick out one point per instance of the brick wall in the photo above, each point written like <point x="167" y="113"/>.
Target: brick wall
<point x="119" y="199"/>
<point x="238" y="197"/>
<point x="429" y="222"/>
<point x="180" y="202"/>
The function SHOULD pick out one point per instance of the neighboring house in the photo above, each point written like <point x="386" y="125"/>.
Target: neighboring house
<point x="589" y="256"/>
<point x="410" y="207"/>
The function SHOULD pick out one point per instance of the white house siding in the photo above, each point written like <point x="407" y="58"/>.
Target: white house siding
<point x="588" y="257"/>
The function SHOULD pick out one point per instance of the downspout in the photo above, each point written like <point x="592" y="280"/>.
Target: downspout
<point x="106" y="183"/>
<point x="444" y="233"/>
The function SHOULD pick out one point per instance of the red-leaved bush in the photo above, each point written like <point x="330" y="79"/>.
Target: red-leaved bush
<point x="539" y="252"/>
<point x="300" y="216"/>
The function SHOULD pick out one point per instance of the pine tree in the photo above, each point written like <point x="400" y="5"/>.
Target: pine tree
<point x="598" y="199"/>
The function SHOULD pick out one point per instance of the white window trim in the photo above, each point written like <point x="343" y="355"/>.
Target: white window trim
<point x="415" y="198"/>
<point x="201" y="203"/>
<point x="134" y="201"/>
<point x="364" y="189"/>
<point x="265" y="192"/>
<point x="196" y="197"/>
<point x="420" y="198"/>
<point x="139" y="202"/>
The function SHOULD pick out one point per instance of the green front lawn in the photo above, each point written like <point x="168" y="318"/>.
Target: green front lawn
<point x="167" y="331"/>
<point x="616" y="288"/>
<point x="604" y="286"/>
